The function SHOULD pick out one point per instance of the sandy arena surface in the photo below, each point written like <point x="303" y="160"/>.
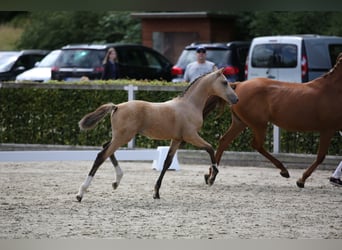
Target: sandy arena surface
<point x="38" y="202"/>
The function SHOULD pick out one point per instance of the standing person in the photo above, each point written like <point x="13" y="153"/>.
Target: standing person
<point x="110" y="65"/>
<point x="335" y="178"/>
<point x="200" y="67"/>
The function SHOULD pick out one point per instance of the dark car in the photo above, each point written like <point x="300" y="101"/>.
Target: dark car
<point x="12" y="63"/>
<point x="135" y="62"/>
<point x="231" y="56"/>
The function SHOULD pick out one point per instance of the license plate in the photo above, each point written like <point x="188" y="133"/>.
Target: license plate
<point x="72" y="79"/>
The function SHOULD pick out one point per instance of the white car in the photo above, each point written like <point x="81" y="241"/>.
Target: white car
<point x="42" y="71"/>
<point x="293" y="58"/>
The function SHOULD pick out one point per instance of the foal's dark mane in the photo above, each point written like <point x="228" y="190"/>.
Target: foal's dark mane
<point x="192" y="84"/>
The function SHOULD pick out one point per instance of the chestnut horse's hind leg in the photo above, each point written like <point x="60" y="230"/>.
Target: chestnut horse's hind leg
<point x="167" y="163"/>
<point x="324" y="142"/>
<point x="118" y="170"/>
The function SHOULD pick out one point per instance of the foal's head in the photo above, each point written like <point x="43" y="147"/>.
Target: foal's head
<point x="221" y="87"/>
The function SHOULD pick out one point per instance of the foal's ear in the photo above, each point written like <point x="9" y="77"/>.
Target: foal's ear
<point x="221" y="70"/>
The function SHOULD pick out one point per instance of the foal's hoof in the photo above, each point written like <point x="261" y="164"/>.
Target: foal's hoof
<point x="211" y="180"/>
<point x="156" y="196"/>
<point x="206" y="178"/>
<point x="212" y="176"/>
<point x="285" y="174"/>
<point x="115" y="185"/>
<point x="79" y="198"/>
<point x="300" y="183"/>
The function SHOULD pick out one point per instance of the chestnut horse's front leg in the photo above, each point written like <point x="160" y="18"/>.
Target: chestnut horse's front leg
<point x="324" y="142"/>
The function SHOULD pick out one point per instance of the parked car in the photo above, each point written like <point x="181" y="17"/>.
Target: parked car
<point x="42" y="70"/>
<point x="12" y="63"/>
<point x="135" y="62"/>
<point x="231" y="56"/>
<point x="293" y="58"/>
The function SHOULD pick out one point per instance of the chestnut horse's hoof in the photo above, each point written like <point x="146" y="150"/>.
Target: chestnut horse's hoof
<point x="285" y="174"/>
<point x="79" y="198"/>
<point x="300" y="183"/>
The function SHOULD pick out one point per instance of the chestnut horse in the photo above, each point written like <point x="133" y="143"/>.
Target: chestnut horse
<point x="178" y="120"/>
<point x="315" y="106"/>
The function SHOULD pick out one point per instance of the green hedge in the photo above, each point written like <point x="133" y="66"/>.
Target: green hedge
<point x="50" y="116"/>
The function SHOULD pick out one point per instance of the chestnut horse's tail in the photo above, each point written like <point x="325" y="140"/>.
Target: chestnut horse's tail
<point x="90" y="120"/>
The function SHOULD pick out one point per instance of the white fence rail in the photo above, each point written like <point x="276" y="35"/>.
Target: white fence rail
<point x="156" y="155"/>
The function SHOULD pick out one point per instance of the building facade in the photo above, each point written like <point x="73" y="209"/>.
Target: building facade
<point x="170" y="32"/>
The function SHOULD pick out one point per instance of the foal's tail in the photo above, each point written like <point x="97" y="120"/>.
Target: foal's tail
<point x="90" y="120"/>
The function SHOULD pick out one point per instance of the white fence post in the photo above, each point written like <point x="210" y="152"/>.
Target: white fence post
<point x="158" y="163"/>
<point x="131" y="96"/>
<point x="276" y="139"/>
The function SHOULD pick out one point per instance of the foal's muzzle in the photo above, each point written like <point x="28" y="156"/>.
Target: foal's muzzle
<point x="233" y="99"/>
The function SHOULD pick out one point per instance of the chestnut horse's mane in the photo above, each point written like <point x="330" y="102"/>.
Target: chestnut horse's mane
<point x="334" y="69"/>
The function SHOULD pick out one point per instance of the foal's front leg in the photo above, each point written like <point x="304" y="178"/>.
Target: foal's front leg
<point x="167" y="163"/>
<point x="198" y="141"/>
<point x="213" y="170"/>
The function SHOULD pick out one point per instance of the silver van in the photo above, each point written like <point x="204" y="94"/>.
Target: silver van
<point x="292" y="58"/>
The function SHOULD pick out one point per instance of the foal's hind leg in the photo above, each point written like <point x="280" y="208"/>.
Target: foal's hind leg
<point x="324" y="143"/>
<point x="101" y="157"/>
<point x="167" y="163"/>
<point x="258" y="144"/>
<point x="118" y="170"/>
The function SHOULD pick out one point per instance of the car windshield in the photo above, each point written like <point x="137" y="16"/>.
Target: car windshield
<point x="7" y="59"/>
<point x="217" y="56"/>
<point x="80" y="58"/>
<point x="49" y="60"/>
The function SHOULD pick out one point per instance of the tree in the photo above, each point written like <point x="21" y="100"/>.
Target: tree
<point x="7" y="16"/>
<point x="264" y="23"/>
<point x="52" y="30"/>
<point x="119" y="27"/>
